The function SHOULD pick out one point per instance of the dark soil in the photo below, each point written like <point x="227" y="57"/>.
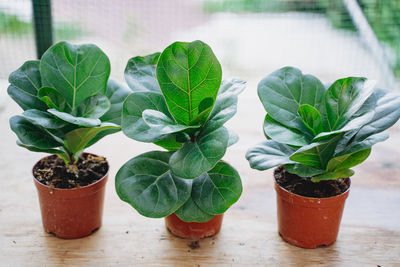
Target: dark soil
<point x="53" y="172"/>
<point x="304" y="187"/>
<point x="194" y="244"/>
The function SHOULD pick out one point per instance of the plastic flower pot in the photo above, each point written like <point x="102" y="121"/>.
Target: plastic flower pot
<point x="71" y="213"/>
<point x="309" y="222"/>
<point x="193" y="230"/>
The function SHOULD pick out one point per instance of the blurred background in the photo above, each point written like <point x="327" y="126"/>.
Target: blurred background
<point x="251" y="38"/>
<point x="330" y="39"/>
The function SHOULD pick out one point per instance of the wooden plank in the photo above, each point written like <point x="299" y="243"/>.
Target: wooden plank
<point x="369" y="235"/>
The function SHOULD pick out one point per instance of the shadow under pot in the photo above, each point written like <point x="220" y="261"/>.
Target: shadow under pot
<point x="193" y="230"/>
<point x="72" y="213"/>
<point x="309" y="222"/>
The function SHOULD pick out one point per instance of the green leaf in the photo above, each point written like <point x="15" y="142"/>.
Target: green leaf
<point x="53" y="99"/>
<point x="58" y="152"/>
<point x="93" y="107"/>
<point x="25" y="83"/>
<point x="332" y="175"/>
<point x="146" y="183"/>
<point x="163" y="124"/>
<point x="387" y="113"/>
<point x="102" y="134"/>
<point x="364" y="144"/>
<point x="225" y="106"/>
<point x="32" y="135"/>
<point x="116" y="94"/>
<point x="286" y="135"/>
<point x="311" y="118"/>
<point x="43" y="119"/>
<point x="317" y="154"/>
<point x="303" y="170"/>
<point x="132" y="122"/>
<point x="205" y="107"/>
<point x="269" y="154"/>
<point x="343" y="99"/>
<point x="348" y="160"/>
<point x="169" y="143"/>
<point x="190" y="212"/>
<point x="233" y="138"/>
<point x="232" y="86"/>
<point x="81" y="121"/>
<point x="285" y="90"/>
<point x="187" y="74"/>
<point x="75" y="71"/>
<point x="214" y="192"/>
<point x="140" y="74"/>
<point x="201" y="155"/>
<point x="77" y="140"/>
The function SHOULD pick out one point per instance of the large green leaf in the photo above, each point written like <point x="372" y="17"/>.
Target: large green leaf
<point x="32" y="135"/>
<point x="43" y="150"/>
<point x="93" y="107"/>
<point x="311" y="118"/>
<point x="348" y="160"/>
<point x="232" y="86"/>
<point x="317" y="154"/>
<point x="387" y="113"/>
<point x="214" y="192"/>
<point x="169" y="143"/>
<point x="133" y="124"/>
<point x="163" y="124"/>
<point x="233" y="138"/>
<point x="226" y="103"/>
<point x="81" y="121"/>
<point x="343" y="99"/>
<point x="43" y="119"/>
<point x="147" y="183"/>
<point x="283" y="134"/>
<point x="200" y="155"/>
<point x="190" y="212"/>
<point x="140" y="73"/>
<point x="285" y="90"/>
<point x="332" y="175"/>
<point x="75" y="71"/>
<point x="53" y="99"/>
<point x="77" y="140"/>
<point x="269" y="154"/>
<point x="188" y="74"/>
<point x="116" y="94"/>
<point x="25" y="83"/>
<point x="303" y="170"/>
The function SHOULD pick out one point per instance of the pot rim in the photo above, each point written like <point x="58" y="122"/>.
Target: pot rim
<point x="313" y="198"/>
<point x="76" y="189"/>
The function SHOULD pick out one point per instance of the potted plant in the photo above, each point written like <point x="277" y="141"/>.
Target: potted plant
<point x="316" y="135"/>
<point x="68" y="106"/>
<point x="180" y="104"/>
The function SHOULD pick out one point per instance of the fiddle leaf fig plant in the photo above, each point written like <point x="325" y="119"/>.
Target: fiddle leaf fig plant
<point x="318" y="132"/>
<point x="68" y="100"/>
<point x="180" y="103"/>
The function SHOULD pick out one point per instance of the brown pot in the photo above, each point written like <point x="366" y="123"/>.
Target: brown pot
<point x="71" y="213"/>
<point x="193" y="230"/>
<point x="309" y="222"/>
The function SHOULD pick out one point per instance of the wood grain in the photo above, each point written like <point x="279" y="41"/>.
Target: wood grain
<point x="369" y="235"/>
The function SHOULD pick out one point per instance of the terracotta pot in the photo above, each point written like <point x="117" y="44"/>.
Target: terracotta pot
<point x="71" y="213"/>
<point x="309" y="222"/>
<point x="193" y="230"/>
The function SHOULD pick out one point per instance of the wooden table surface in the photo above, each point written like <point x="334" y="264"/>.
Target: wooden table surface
<point x="369" y="233"/>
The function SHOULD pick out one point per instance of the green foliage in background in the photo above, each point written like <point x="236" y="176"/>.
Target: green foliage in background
<point x="383" y="15"/>
<point x="12" y="25"/>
